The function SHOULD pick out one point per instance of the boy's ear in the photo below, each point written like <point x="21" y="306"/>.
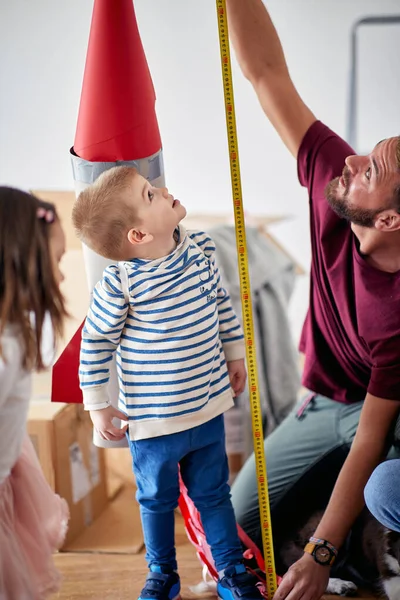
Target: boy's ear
<point x="139" y="237"/>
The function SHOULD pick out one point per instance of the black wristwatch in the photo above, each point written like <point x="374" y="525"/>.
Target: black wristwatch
<point x="322" y="551"/>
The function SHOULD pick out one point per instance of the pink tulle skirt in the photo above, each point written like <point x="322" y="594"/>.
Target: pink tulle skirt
<point x="33" y="524"/>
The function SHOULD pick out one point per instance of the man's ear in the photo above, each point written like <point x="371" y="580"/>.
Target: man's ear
<point x="388" y="220"/>
<point x="135" y="237"/>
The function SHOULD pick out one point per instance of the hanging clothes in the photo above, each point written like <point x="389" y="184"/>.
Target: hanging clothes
<point x="272" y="278"/>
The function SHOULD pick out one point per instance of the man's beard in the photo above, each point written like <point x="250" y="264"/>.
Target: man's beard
<point x="364" y="217"/>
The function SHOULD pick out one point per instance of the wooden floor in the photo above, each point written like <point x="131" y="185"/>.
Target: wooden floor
<point x="121" y="577"/>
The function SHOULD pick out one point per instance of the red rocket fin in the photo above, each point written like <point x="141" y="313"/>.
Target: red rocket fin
<point x="65" y="378"/>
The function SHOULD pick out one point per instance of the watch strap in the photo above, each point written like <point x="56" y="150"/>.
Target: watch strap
<point x="310" y="548"/>
<point x="321" y="542"/>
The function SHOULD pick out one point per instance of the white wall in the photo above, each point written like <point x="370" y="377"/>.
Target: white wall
<point x="42" y="53"/>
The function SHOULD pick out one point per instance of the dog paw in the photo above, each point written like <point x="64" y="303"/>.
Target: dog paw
<point x="338" y="587"/>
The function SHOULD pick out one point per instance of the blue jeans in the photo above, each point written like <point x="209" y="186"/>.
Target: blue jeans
<point x="382" y="494"/>
<point x="200" y="453"/>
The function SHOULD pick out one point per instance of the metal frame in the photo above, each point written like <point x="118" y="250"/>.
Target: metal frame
<point x="351" y="134"/>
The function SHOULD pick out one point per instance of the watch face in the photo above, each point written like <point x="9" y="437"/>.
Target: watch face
<point x="322" y="555"/>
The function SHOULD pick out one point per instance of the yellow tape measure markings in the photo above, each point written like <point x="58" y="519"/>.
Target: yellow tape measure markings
<point x="248" y="324"/>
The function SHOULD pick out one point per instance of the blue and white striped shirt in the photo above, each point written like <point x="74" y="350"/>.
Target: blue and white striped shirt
<point x="172" y="340"/>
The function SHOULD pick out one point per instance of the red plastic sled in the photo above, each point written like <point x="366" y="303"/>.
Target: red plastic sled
<point x="196" y="535"/>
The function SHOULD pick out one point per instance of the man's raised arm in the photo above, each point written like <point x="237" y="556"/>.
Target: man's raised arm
<point x="262" y="61"/>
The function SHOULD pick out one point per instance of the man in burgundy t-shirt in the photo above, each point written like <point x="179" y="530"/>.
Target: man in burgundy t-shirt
<point x="336" y="437"/>
<point x="351" y="337"/>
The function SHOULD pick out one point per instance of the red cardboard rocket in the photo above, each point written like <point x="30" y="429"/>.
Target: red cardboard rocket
<point x="117" y="125"/>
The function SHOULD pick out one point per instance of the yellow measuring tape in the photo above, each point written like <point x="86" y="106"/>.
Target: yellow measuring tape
<point x="248" y="324"/>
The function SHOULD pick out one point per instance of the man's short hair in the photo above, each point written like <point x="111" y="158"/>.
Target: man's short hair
<point x="101" y="215"/>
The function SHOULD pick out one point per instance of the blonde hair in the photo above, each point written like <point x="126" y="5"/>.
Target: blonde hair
<point x="101" y="215"/>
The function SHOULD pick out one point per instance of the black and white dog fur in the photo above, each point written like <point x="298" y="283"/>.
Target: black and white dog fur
<point x="370" y="557"/>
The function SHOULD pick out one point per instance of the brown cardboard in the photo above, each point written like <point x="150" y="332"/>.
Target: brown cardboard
<point x="73" y="466"/>
<point x="119" y="466"/>
<point x="63" y="201"/>
<point x="118" y="530"/>
<point x="40" y="430"/>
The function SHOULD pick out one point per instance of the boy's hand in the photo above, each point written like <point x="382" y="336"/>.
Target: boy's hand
<point x="237" y="375"/>
<point x="102" y="421"/>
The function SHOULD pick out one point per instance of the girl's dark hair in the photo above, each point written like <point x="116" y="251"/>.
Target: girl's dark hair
<point x="28" y="288"/>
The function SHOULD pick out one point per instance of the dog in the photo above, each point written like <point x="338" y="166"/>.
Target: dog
<point x="370" y="558"/>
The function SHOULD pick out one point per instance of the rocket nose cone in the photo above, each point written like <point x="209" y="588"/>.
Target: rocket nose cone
<point x="117" y="119"/>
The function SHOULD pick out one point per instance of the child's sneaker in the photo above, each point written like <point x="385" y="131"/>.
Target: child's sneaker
<point x="236" y="583"/>
<point x="161" y="585"/>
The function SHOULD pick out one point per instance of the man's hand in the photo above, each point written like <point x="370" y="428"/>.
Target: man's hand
<point x="102" y="422"/>
<point x="305" y="579"/>
<point x="237" y="375"/>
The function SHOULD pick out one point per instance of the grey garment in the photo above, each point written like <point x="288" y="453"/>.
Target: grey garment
<point x="304" y="457"/>
<point x="272" y="277"/>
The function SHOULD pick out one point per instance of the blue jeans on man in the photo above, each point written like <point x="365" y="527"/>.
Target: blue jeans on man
<point x="382" y="494"/>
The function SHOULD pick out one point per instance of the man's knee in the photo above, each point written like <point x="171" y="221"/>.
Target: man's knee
<point x="374" y="493"/>
<point x="382" y="494"/>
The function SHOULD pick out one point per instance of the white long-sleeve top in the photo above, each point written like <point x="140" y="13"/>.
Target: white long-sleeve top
<point x="172" y="339"/>
<point x="15" y="391"/>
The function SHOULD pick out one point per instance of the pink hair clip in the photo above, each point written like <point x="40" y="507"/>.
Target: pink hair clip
<point x="45" y="214"/>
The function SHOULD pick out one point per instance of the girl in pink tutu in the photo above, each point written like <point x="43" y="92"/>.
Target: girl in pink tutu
<point x="33" y="519"/>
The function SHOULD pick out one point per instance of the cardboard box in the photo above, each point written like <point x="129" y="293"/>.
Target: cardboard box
<point x="73" y="466"/>
<point x="118" y="530"/>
